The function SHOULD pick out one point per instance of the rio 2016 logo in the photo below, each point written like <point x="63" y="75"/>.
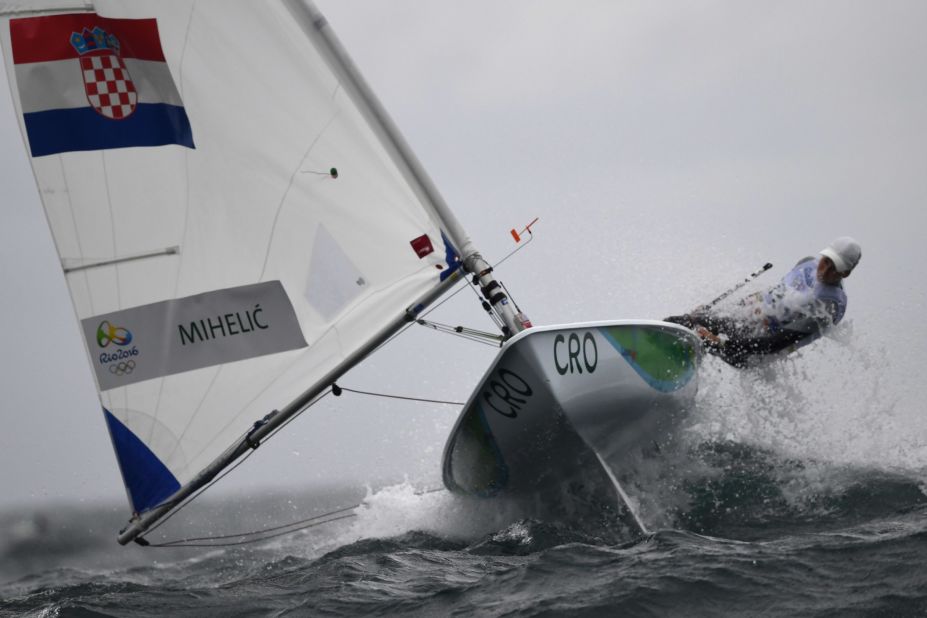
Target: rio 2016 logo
<point x="107" y="334"/>
<point x="123" y="356"/>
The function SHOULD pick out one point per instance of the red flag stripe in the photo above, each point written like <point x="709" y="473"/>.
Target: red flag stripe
<point x="48" y="38"/>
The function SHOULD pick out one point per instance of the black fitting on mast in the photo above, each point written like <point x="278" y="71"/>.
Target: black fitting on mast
<point x="493" y="292"/>
<point x="252" y="443"/>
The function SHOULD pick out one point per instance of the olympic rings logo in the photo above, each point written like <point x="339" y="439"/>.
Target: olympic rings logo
<point x="107" y="334"/>
<point x="122" y="368"/>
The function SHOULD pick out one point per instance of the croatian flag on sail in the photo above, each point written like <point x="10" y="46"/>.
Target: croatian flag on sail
<point x="88" y="82"/>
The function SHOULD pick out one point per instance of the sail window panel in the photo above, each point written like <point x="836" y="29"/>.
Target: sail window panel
<point x="334" y="281"/>
<point x="369" y="208"/>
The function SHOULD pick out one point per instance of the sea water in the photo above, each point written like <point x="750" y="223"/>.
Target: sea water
<point x="797" y="489"/>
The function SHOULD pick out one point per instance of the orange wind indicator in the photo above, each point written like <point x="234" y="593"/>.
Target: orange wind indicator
<point x="517" y="235"/>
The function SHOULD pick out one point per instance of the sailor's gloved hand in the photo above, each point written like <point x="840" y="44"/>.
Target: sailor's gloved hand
<point x="708" y="337"/>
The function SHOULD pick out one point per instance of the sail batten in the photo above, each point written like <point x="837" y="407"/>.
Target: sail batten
<point x="231" y="129"/>
<point x="79" y="264"/>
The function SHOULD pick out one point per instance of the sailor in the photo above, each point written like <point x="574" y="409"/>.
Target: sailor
<point x="807" y="302"/>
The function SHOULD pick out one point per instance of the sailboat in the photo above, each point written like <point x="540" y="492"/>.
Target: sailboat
<point x="239" y="223"/>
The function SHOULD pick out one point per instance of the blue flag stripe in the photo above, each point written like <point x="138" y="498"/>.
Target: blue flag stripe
<point x="82" y="128"/>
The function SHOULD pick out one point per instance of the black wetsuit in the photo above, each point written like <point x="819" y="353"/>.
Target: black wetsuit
<point x="739" y="345"/>
<point x="780" y="324"/>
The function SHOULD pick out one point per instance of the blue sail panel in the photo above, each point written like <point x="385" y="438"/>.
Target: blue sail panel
<point x="451" y="258"/>
<point x="147" y="479"/>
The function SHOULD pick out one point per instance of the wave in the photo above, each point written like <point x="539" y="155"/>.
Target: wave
<point x="813" y="522"/>
<point x="749" y="493"/>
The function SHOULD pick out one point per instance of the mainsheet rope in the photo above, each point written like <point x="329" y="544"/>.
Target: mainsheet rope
<point x="310" y="522"/>
<point x="336" y="390"/>
<point x="141" y="538"/>
<point x="256" y="536"/>
<point x="314" y="521"/>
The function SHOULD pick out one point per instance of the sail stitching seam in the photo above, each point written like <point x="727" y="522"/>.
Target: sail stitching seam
<point x="227" y="472"/>
<point x="286" y="192"/>
<point x="260" y="278"/>
<point x="80" y="247"/>
<point x="112" y="229"/>
<point x="192" y="417"/>
<point x="186" y="213"/>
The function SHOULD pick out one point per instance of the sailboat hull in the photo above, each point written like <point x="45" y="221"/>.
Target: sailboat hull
<point x="560" y="399"/>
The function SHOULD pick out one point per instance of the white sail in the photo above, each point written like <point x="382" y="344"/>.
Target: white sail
<point x="235" y="218"/>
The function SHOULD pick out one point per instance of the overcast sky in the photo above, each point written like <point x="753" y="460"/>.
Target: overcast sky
<point x="668" y="148"/>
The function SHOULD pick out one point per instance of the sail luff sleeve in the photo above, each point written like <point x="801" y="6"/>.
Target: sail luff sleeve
<point x="31" y="7"/>
<point x="319" y="31"/>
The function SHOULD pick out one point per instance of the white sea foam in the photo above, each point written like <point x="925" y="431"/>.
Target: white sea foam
<point x="397" y="509"/>
<point x="847" y="400"/>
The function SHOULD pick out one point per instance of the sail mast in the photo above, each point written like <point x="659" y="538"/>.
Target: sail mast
<point x="312" y="22"/>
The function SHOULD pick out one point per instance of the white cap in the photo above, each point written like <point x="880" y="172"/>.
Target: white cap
<point x="844" y="253"/>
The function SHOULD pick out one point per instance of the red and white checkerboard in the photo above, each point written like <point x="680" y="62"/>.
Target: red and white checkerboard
<point x="109" y="88"/>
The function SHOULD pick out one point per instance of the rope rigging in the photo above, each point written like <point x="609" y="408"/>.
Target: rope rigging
<point x="259" y="535"/>
<point x="470" y="333"/>
<point x="475" y="335"/>
<point x="337" y="390"/>
<point x="464" y="333"/>
<point x="141" y="538"/>
<point x="264" y="534"/>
